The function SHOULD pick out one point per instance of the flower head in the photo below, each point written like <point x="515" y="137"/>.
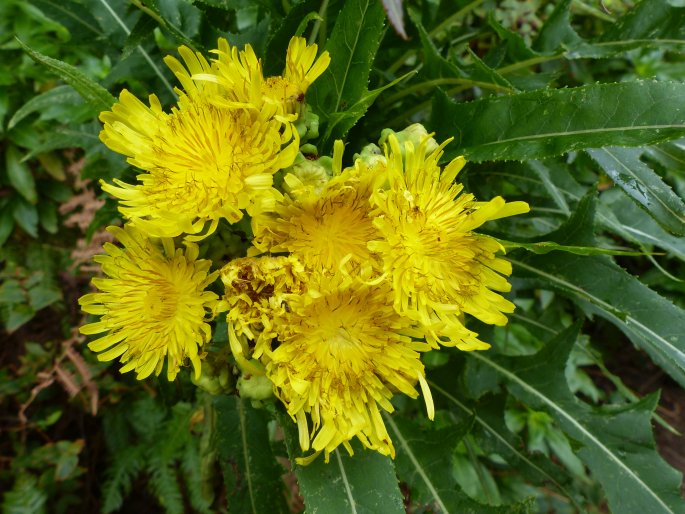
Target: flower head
<point x="255" y="291"/>
<point x="439" y="268"/>
<point x="323" y="226"/>
<point x="153" y="304"/>
<point x="240" y="73"/>
<point x="343" y="352"/>
<point x="202" y="162"/>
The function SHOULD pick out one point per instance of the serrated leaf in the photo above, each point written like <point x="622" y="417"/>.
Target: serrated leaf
<point x="352" y="46"/>
<point x="652" y="322"/>
<point x="643" y="185"/>
<point x="91" y="91"/>
<point x="557" y="30"/>
<point x="274" y="62"/>
<point x="489" y="430"/>
<point x="19" y="174"/>
<point x="516" y="46"/>
<point x="59" y="94"/>
<point x="617" y="442"/>
<point x="362" y="484"/>
<point x="544" y="247"/>
<point x="544" y="123"/>
<point x="650" y="24"/>
<point x="340" y="122"/>
<point x="424" y="461"/>
<point x="141" y="32"/>
<point x="251" y="474"/>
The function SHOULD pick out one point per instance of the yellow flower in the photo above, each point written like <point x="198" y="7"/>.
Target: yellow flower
<point x="322" y="226"/>
<point x="255" y="289"/>
<point x="240" y="72"/>
<point x="202" y="162"/>
<point x="343" y="352"/>
<point x="439" y="268"/>
<point x="153" y="304"/>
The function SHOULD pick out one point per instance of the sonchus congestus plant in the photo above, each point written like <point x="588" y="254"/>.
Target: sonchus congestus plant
<point x="315" y="255"/>
<point x="350" y="276"/>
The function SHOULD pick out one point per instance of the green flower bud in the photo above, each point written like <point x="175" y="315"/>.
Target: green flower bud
<point x="255" y="387"/>
<point x="306" y="176"/>
<point x="415" y="133"/>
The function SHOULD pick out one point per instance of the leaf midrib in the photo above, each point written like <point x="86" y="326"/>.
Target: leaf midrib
<point x="532" y="390"/>
<point x="415" y="462"/>
<point x="576" y="132"/>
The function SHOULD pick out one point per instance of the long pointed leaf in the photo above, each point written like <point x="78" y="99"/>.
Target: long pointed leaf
<point x="91" y="91"/>
<point x="252" y="476"/>
<point x="643" y="185"/>
<point x="362" y="484"/>
<point x="617" y="443"/>
<point x="544" y="123"/>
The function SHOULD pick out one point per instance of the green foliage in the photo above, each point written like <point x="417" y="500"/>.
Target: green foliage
<point x="574" y="107"/>
<point x="149" y="439"/>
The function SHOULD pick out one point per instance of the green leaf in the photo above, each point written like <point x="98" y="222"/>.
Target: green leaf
<point x="91" y="91"/>
<point x="424" y="461"/>
<point x="141" y="32"/>
<point x="544" y="247"/>
<point x="352" y="46"/>
<point x="6" y="223"/>
<point x="340" y="122"/>
<point x="17" y="315"/>
<point x="251" y="475"/>
<point x="557" y="30"/>
<point x="26" y="216"/>
<point x="652" y="322"/>
<point x="643" y="185"/>
<point x="620" y="215"/>
<point x="25" y="497"/>
<point x="617" y="442"/>
<point x="362" y="484"/>
<point x="19" y="174"/>
<point x="274" y="61"/>
<point x="649" y="23"/>
<point x="56" y="95"/>
<point x="544" y="123"/>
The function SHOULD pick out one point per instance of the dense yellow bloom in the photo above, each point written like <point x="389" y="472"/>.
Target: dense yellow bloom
<point x="439" y="268"/>
<point x="202" y="162"/>
<point x="240" y="72"/>
<point x="255" y="291"/>
<point x="322" y="226"/>
<point x="343" y="352"/>
<point x="152" y="304"/>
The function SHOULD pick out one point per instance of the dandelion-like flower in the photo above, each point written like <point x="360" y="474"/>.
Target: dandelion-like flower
<point x="202" y="162"/>
<point x="322" y="226"/>
<point x="240" y="72"/>
<point x="153" y="304"/>
<point x="343" y="353"/>
<point x="255" y="291"/>
<point x="439" y="268"/>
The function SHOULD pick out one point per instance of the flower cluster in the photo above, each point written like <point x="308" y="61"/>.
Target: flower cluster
<point x="352" y="271"/>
